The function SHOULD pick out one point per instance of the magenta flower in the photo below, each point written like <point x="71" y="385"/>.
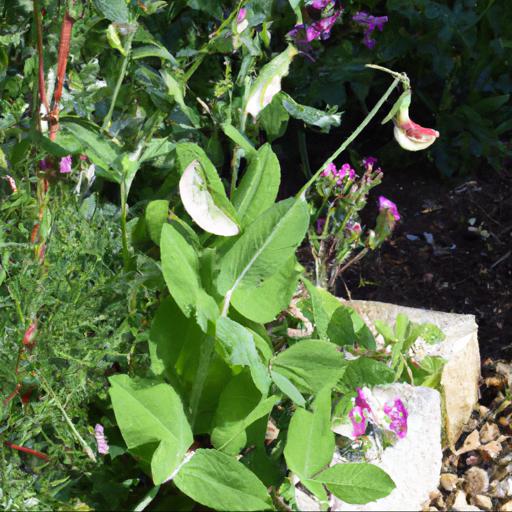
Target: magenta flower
<point x="321" y="29"/>
<point x="345" y="170"/>
<point x="361" y="400"/>
<point x="386" y="204"/>
<point x="370" y="23"/>
<point x="321" y="4"/>
<point x="369" y="162"/>
<point x="65" y="165"/>
<point x="101" y="440"/>
<point x="358" y="420"/>
<point x="329" y="170"/>
<point x="242" y="13"/>
<point x="397" y="413"/>
<point x="354" y="227"/>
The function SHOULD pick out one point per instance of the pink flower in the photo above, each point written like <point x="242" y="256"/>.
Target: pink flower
<point x="354" y="227"/>
<point x="361" y="400"/>
<point x="101" y="440"/>
<point x="242" y="13"/>
<point x="344" y="171"/>
<point x="408" y="134"/>
<point x="320" y="29"/>
<point x="321" y="4"/>
<point x="358" y="420"/>
<point x="65" y="165"/>
<point x="397" y="413"/>
<point x="12" y="183"/>
<point x="330" y="170"/>
<point x="369" y="162"/>
<point x="387" y="205"/>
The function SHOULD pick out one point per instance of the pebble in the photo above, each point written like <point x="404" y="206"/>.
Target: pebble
<point x="448" y="481"/>
<point x="489" y="432"/>
<point x="507" y="507"/>
<point x="504" y="488"/>
<point x="476" y="481"/>
<point x="483" y="502"/>
<point x="461" y="504"/>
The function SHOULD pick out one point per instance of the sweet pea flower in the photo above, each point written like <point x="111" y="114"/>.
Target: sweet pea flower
<point x="321" y="29"/>
<point x="408" y="134"/>
<point x="101" y="440"/>
<point x="358" y="421"/>
<point x="241" y="21"/>
<point x="386" y="204"/>
<point x="370" y="23"/>
<point x="397" y="414"/>
<point x="65" y="165"/>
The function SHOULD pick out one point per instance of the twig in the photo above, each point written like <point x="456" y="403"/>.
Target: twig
<point x="24" y="449"/>
<point x="502" y="259"/>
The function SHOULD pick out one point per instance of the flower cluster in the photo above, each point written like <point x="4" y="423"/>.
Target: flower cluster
<point x="370" y="23"/>
<point x="339" y="175"/>
<point x="362" y="414"/>
<point x="385" y="205"/>
<point x="65" y="164"/>
<point x="101" y="440"/>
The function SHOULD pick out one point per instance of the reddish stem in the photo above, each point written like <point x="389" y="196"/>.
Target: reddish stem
<point x="24" y="449"/>
<point x="15" y="392"/>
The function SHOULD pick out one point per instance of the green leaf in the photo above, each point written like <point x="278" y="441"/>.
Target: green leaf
<point x="364" y="371"/>
<point x="203" y="194"/>
<point x="310" y="440"/>
<point x="431" y="333"/>
<point x="259" y="187"/>
<point x="309" y="115"/>
<point x="175" y="90"/>
<point x="113" y="10"/>
<point x="274" y="119"/>
<point x="265" y="246"/>
<point x="114" y="39"/>
<point x="268" y="83"/>
<point x="240" y="405"/>
<point x="156" y="216"/>
<point x="357" y="483"/>
<point x="385" y="329"/>
<point x="403" y="101"/>
<point x="210" y="7"/>
<point x="220" y="482"/>
<point x="238" y="138"/>
<point x="152" y="413"/>
<point x="150" y="50"/>
<point x="240" y="349"/>
<point x="288" y="388"/>
<point x="310" y="365"/>
<point x="265" y="301"/>
<point x="402" y="326"/>
<point x="180" y="267"/>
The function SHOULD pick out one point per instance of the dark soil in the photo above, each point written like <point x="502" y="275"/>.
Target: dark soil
<point x="466" y="267"/>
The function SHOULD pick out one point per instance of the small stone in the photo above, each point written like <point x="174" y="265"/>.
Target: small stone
<point x="476" y="481"/>
<point x="491" y="450"/>
<point x="434" y="495"/>
<point x="507" y="507"/>
<point x="449" y="481"/>
<point x="489" y="432"/>
<point x="482" y="410"/>
<point x="460" y="503"/>
<point x="483" y="502"/>
<point x="472" y="442"/>
<point x="504" y="488"/>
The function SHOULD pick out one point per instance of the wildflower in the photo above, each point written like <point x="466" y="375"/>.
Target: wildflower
<point x="45" y="164"/>
<point x="101" y="440"/>
<point x="361" y="400"/>
<point x="320" y="223"/>
<point x="329" y="170"/>
<point x="397" y="414"/>
<point x="387" y="205"/>
<point x="410" y="135"/>
<point x="369" y="162"/>
<point x="65" y="165"/>
<point x="358" y="421"/>
<point x="346" y="170"/>
<point x="241" y="21"/>
<point x="321" y="29"/>
<point x="322" y="4"/>
<point x="370" y="23"/>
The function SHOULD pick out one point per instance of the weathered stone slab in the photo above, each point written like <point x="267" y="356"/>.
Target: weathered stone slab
<point x="460" y="348"/>
<point x="414" y="462"/>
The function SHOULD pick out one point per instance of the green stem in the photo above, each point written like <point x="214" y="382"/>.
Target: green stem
<point x="124" y="231"/>
<point x="351" y="138"/>
<point x="120" y="78"/>
<point x="237" y="155"/>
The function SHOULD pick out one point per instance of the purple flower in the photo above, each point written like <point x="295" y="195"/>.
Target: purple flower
<point x="370" y="23"/>
<point x="330" y="170"/>
<point x="320" y="223"/>
<point x="369" y="162"/>
<point x="397" y="413"/>
<point x="101" y="440"/>
<point x="242" y="13"/>
<point x="321" y="29"/>
<point x="358" y="421"/>
<point x="44" y="164"/>
<point x="321" y="4"/>
<point x="346" y="170"/>
<point x="65" y="165"/>
<point x="361" y="400"/>
<point x="386" y="204"/>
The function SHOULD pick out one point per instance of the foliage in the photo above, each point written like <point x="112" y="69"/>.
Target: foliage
<point x="166" y="318"/>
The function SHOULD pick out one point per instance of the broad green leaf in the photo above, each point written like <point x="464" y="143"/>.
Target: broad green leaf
<point x="288" y="388"/>
<point x="152" y="413"/>
<point x="259" y="186"/>
<point x="310" y="440"/>
<point x="239" y="348"/>
<point x="156" y="215"/>
<point x="220" y="482"/>
<point x="157" y="148"/>
<point x="309" y="115"/>
<point x="113" y="10"/>
<point x="175" y="90"/>
<point x="150" y="50"/>
<point x="98" y="148"/>
<point x="203" y="194"/>
<point x="268" y="83"/>
<point x="336" y="322"/>
<point x="274" y="119"/>
<point x="265" y="301"/>
<point x="365" y="371"/>
<point x="265" y="246"/>
<point x="180" y="267"/>
<point x="238" y="138"/>
<point x="310" y="365"/>
<point x="210" y="7"/>
<point x="240" y="405"/>
<point x="357" y="483"/>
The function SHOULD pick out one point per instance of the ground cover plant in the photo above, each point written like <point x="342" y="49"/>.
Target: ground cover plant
<point x="162" y="346"/>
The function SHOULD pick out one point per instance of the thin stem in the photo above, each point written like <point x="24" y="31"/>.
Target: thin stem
<point x="24" y="449"/>
<point x="120" y="78"/>
<point x="342" y="269"/>
<point x="80" y="439"/>
<point x="395" y="74"/>
<point x="351" y="138"/>
<point x="124" y="231"/>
